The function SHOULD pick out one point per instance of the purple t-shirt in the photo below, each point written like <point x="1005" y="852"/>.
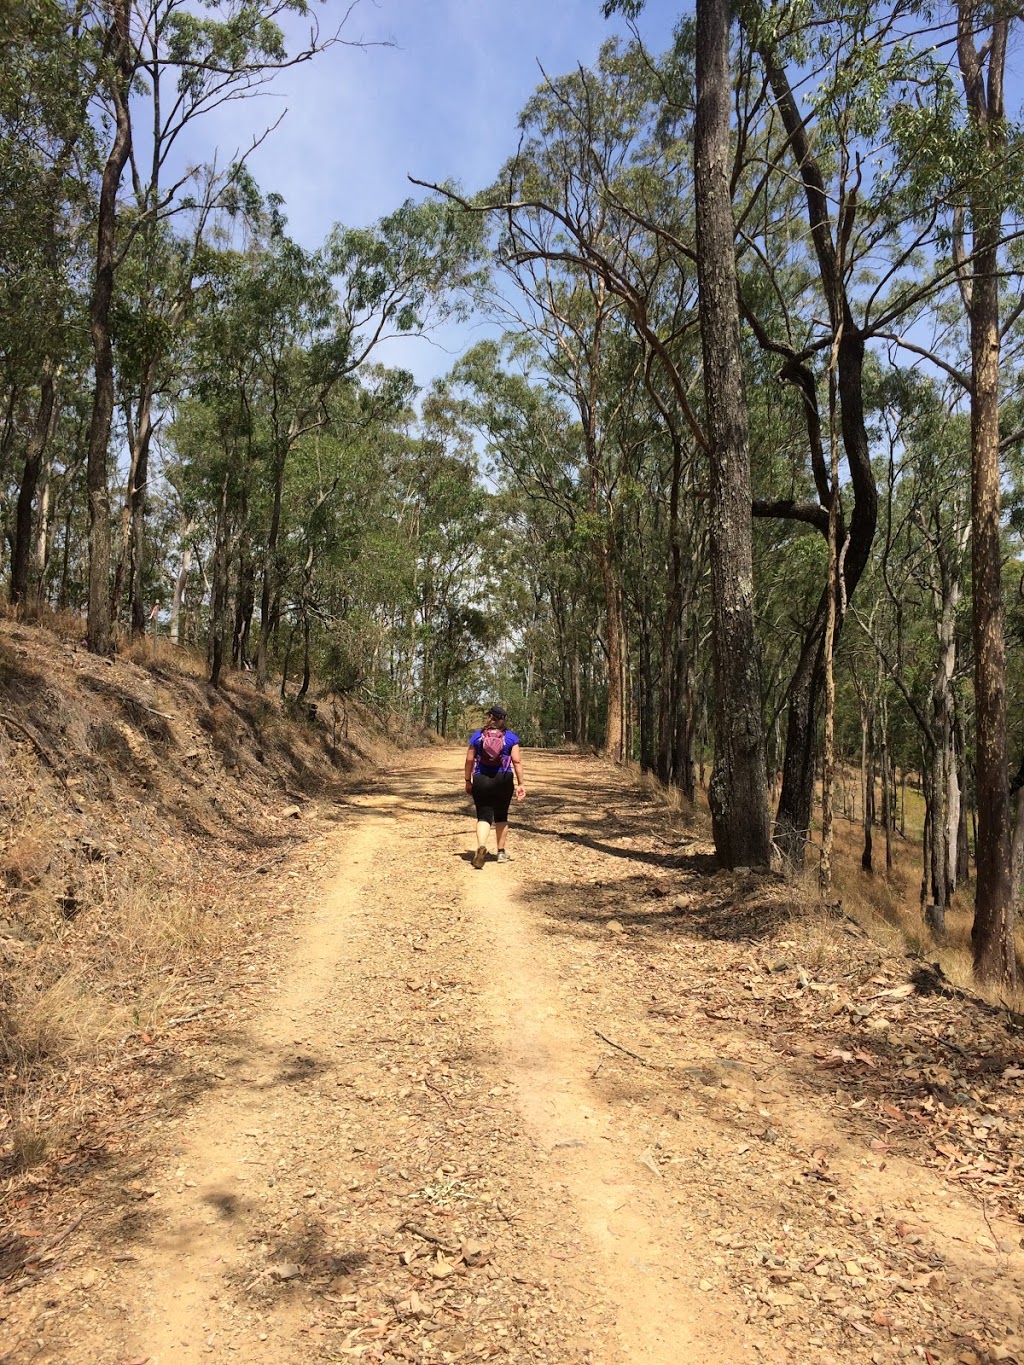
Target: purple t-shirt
<point x="490" y="769"/>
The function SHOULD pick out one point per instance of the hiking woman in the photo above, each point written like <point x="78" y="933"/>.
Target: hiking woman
<point x="491" y="759"/>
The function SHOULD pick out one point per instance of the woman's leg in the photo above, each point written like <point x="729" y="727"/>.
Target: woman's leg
<point x="502" y="801"/>
<point x="483" y="798"/>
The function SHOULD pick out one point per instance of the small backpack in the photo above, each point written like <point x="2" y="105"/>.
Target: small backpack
<point x="492" y="747"/>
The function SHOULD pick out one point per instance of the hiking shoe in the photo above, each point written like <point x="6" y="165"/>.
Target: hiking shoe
<point x="502" y="856"/>
<point x="480" y="857"/>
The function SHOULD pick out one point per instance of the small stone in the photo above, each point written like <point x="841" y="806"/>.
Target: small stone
<point x="475" y="1253"/>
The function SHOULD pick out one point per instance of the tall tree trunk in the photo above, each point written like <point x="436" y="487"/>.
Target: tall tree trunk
<point x="269" y="585"/>
<point x="579" y="708"/>
<point x="797" y="796"/>
<point x="245" y="599"/>
<point x="685" y="707"/>
<point x="832" y="619"/>
<point x="220" y="588"/>
<point x="65" y="568"/>
<point x="963" y="843"/>
<point x="21" y="554"/>
<point x="44" y="534"/>
<point x="868" y="765"/>
<point x="120" y="45"/>
<point x="938" y="824"/>
<point x="180" y="582"/>
<point x="648" y="747"/>
<point x="887" y="782"/>
<point x="738" y="795"/>
<point x="615" y="709"/>
<point x="137" y="511"/>
<point x="993" y="938"/>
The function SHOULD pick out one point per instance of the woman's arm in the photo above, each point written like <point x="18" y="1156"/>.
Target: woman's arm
<point x="470" y="763"/>
<point x="517" y="764"/>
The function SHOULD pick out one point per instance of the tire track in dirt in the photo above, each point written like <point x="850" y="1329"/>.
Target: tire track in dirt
<point x="420" y="1133"/>
<point x="198" y="1264"/>
<point x="411" y="1078"/>
<point x="612" y="1181"/>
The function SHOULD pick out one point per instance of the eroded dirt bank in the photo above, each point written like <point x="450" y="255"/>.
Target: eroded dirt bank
<point x="598" y="1104"/>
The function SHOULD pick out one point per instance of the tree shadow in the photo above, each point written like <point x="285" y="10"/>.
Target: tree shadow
<point x="647" y="909"/>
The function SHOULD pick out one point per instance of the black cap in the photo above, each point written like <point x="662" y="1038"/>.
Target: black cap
<point x="498" y="712"/>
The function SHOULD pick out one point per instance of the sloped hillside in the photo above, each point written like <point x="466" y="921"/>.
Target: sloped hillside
<point x="140" y="810"/>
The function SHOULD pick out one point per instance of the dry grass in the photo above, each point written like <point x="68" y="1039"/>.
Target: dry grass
<point x="693" y="814"/>
<point x="163" y="656"/>
<point x="134" y="802"/>
<point x="888" y="906"/>
<point x="114" y="971"/>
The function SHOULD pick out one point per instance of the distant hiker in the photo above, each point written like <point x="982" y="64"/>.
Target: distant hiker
<point x="491" y="758"/>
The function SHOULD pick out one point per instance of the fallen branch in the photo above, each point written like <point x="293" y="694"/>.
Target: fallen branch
<point x="635" y="1055"/>
<point x="43" y="753"/>
<point x="295" y="840"/>
<point x="40" y="1252"/>
<point x="438" y="1091"/>
<point x="427" y="1237"/>
<point x="192" y="1014"/>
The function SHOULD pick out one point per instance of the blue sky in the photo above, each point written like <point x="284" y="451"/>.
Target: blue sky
<point x="441" y="103"/>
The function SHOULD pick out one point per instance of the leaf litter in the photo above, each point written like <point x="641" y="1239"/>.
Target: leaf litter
<point x="833" y="1146"/>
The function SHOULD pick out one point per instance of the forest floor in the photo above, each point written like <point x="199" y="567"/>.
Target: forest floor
<point x="599" y="1104"/>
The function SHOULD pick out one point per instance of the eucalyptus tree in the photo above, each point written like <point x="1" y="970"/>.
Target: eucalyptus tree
<point x="458" y="612"/>
<point x="535" y="445"/>
<point x="993" y="177"/>
<point x="923" y="566"/>
<point x="158" y="67"/>
<point x="340" y="495"/>
<point x="738" y="795"/>
<point x="46" y="159"/>
<point x="566" y="227"/>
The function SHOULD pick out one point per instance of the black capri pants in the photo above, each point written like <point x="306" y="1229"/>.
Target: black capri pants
<point x="492" y="796"/>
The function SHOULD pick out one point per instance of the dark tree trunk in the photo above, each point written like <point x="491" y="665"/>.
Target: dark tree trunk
<point x="287" y="663"/>
<point x="963" y="846"/>
<point x="866" y="857"/>
<point x="796" y="799"/>
<point x="797" y="796"/>
<point x="245" y="601"/>
<point x="137" y="512"/>
<point x="739" y="784"/>
<point x="99" y="624"/>
<point x="992" y="936"/>
<point x="65" y="567"/>
<point x="269" y="586"/>
<point x="648" y="748"/>
<point x="888" y="789"/>
<point x="685" y="709"/>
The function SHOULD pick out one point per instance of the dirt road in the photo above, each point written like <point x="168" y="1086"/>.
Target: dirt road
<point x="506" y="1115"/>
